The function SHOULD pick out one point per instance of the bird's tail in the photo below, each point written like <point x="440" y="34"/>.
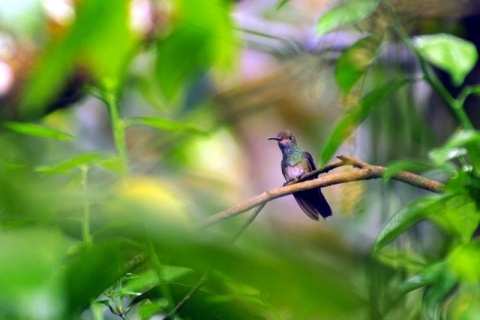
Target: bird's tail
<point x="313" y="203"/>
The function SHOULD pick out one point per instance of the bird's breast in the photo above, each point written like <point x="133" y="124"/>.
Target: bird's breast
<point x="292" y="172"/>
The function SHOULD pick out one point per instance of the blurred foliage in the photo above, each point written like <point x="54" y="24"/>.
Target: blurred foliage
<point x="103" y="223"/>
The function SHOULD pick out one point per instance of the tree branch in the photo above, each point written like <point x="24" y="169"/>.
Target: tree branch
<point x="365" y="172"/>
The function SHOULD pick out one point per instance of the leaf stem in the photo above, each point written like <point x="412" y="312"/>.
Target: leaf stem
<point x="87" y="237"/>
<point x="456" y="105"/>
<point x="468" y="90"/>
<point x="118" y="128"/>
<point x="164" y="287"/>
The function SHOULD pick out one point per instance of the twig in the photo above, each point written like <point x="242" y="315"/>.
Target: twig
<point x="327" y="168"/>
<point x="207" y="273"/>
<point x="189" y="295"/>
<point x="365" y="172"/>
<point x="248" y="222"/>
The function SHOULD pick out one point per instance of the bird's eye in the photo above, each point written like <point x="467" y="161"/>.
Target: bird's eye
<point x="290" y="137"/>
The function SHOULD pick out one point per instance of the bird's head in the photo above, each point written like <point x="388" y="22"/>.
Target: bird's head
<point x="284" y="138"/>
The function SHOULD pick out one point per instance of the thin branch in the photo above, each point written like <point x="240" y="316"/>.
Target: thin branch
<point x="189" y="295"/>
<point x="365" y="172"/>
<point x="327" y="168"/>
<point x="248" y="222"/>
<point x="207" y="273"/>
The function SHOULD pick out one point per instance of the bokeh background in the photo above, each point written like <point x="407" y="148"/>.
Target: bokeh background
<point x="215" y="79"/>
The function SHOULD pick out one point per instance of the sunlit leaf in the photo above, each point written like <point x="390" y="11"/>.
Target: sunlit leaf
<point x="354" y="62"/>
<point x="449" y="53"/>
<point x="356" y="115"/>
<point x="455" y="146"/>
<point x="465" y="182"/>
<point x="466" y="302"/>
<point x="423" y="278"/>
<point x="459" y="217"/>
<point x="149" y="278"/>
<point x="408" y="216"/>
<point x="163" y="124"/>
<point x="66" y="166"/>
<point x="346" y="13"/>
<point x="202" y="36"/>
<point x="112" y="164"/>
<point x="149" y="309"/>
<point x="465" y="260"/>
<point x="36" y="130"/>
<point x="97" y="46"/>
<point x="98" y="308"/>
<point x="110" y="46"/>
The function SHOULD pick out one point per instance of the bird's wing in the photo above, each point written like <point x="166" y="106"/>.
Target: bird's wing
<point x="311" y="163"/>
<point x="307" y="202"/>
<point x="312" y="201"/>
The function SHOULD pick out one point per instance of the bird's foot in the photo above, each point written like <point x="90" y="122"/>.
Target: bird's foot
<point x="293" y="181"/>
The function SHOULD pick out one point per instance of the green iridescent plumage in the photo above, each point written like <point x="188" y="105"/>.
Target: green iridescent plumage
<point x="296" y="163"/>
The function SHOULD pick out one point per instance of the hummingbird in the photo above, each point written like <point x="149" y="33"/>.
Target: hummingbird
<point x="296" y="163"/>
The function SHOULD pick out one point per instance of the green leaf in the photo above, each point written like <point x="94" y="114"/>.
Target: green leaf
<point x="149" y="278"/>
<point x="401" y="260"/>
<point x="4" y="165"/>
<point x="112" y="164"/>
<point x="110" y="47"/>
<point x="455" y="146"/>
<point x="438" y="292"/>
<point x="202" y="37"/>
<point x="92" y="271"/>
<point x="439" y="282"/>
<point x="408" y="216"/>
<point x="66" y="166"/>
<point x="459" y="217"/>
<point x="356" y="115"/>
<point x="346" y="13"/>
<point x="464" y="262"/>
<point x="98" y="45"/>
<point x="465" y="182"/>
<point x="354" y="62"/>
<point x="466" y="92"/>
<point x="163" y="124"/>
<point x="36" y="130"/>
<point x="281" y="3"/>
<point x="466" y="303"/>
<point x="150" y="309"/>
<point x="423" y="278"/>
<point x="98" y="309"/>
<point x="29" y="273"/>
<point x="207" y="305"/>
<point x="449" y="53"/>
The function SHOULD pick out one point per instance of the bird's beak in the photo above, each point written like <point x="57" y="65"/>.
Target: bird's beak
<point x="274" y="138"/>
